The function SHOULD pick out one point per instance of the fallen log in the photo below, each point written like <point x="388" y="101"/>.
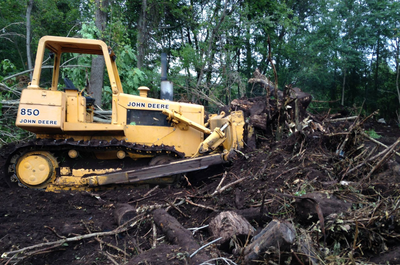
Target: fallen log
<point x="259" y="121"/>
<point x="230" y="227"/>
<point x="250" y="106"/>
<point x="306" y="210"/>
<point x="342" y="119"/>
<point x="277" y="236"/>
<point x="178" y="235"/>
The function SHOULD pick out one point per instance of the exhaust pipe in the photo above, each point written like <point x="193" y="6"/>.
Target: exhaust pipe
<point x="167" y="88"/>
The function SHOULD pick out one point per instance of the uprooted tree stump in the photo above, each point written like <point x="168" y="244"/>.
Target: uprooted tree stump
<point x="261" y="113"/>
<point x="285" y="112"/>
<point x="277" y="235"/>
<point x="230" y="226"/>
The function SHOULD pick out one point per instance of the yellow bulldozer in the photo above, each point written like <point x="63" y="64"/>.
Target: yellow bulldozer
<point x="147" y="140"/>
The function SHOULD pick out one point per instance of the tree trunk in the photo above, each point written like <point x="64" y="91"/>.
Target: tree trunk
<point x="97" y="78"/>
<point x="377" y="63"/>
<point x="28" y="35"/>
<point x="397" y="54"/>
<point x="141" y="36"/>
<point x="397" y="68"/>
<point x="98" y="65"/>
<point x="211" y="40"/>
<point x="238" y="53"/>
<point x="343" y="85"/>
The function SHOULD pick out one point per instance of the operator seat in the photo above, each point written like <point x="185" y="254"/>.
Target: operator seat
<point x="70" y="86"/>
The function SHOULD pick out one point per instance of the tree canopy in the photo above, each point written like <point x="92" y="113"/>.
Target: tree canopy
<point x="342" y="52"/>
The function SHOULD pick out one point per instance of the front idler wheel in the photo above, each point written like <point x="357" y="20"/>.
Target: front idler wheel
<point x="36" y="169"/>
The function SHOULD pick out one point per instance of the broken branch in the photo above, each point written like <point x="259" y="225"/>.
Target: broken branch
<point x="227" y="186"/>
<point x="126" y="226"/>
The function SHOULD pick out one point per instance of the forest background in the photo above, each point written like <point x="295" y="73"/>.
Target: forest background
<point x="345" y="53"/>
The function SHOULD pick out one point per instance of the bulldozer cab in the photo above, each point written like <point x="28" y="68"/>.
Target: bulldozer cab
<point x="62" y="104"/>
<point x="59" y="45"/>
<point x="77" y="98"/>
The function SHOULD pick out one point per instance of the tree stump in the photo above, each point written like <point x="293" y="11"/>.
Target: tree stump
<point x="277" y="235"/>
<point x="229" y="225"/>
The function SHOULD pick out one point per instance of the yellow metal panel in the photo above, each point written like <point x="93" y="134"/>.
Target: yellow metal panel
<point x="79" y="126"/>
<point x="30" y="115"/>
<point x="234" y="132"/>
<point x="191" y="111"/>
<point x="184" y="141"/>
<point x="236" y="129"/>
<point x="41" y="110"/>
<point x="42" y="97"/>
<point x="76" y="107"/>
<point x="72" y="108"/>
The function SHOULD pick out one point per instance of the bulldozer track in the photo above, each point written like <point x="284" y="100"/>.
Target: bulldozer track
<point x="10" y="153"/>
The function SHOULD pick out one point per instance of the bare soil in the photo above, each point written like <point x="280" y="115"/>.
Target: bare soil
<point x="361" y="217"/>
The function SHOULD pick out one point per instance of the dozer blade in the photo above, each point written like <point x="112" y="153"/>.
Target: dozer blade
<point x="153" y="172"/>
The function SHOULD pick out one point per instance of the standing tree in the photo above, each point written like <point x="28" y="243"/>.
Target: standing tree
<point x="28" y="35"/>
<point x="141" y="34"/>
<point x="97" y="70"/>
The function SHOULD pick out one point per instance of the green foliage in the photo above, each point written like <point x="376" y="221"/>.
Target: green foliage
<point x="188" y="57"/>
<point x="6" y="67"/>
<point x="131" y="77"/>
<point x="320" y="46"/>
<point x="55" y="17"/>
<point x="373" y="134"/>
<point x="79" y="75"/>
<point x="89" y="30"/>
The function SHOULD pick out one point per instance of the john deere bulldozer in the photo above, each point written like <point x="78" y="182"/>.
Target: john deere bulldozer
<point x="146" y="140"/>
